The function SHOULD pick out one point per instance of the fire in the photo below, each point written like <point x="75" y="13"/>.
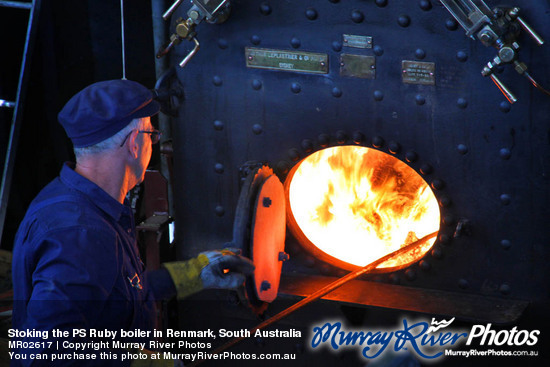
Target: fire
<point x="358" y="204"/>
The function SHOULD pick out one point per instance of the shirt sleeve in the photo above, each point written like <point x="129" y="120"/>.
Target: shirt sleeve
<point x="73" y="272"/>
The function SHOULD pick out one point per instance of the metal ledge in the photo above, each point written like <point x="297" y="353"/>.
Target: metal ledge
<point x="461" y="305"/>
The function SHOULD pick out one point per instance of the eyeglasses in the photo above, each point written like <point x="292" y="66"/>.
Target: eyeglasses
<point x="154" y="134"/>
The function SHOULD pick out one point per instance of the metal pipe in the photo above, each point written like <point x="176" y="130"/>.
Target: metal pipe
<point x="504" y="89"/>
<point x="16" y="4"/>
<point x="15" y="130"/>
<point x="160" y="33"/>
<point x="325" y="290"/>
<point x="190" y="54"/>
<point x="172" y="8"/>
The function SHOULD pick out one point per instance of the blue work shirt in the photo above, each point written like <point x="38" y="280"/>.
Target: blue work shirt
<point x="76" y="265"/>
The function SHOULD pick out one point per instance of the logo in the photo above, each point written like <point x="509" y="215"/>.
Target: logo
<point x="428" y="341"/>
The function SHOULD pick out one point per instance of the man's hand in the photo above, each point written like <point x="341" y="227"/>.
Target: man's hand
<point x="222" y="269"/>
<point x="226" y="269"/>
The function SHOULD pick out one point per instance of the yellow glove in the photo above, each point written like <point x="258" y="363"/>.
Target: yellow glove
<point x="222" y="269"/>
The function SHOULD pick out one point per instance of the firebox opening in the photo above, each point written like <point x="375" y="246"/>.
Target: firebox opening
<point x="351" y="205"/>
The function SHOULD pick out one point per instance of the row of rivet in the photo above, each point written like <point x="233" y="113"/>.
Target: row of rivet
<point x="377" y="95"/>
<point x="356" y="15"/>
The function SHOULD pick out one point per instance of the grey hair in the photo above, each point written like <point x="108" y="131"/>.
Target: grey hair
<point x="110" y="143"/>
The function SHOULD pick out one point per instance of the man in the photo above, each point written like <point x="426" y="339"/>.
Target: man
<point x="76" y="264"/>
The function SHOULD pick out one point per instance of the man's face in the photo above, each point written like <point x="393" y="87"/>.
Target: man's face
<point x="145" y="150"/>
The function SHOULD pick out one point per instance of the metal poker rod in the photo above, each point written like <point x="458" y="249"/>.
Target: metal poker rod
<point x="323" y="291"/>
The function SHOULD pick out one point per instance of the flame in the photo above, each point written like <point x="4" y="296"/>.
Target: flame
<point x="358" y="204"/>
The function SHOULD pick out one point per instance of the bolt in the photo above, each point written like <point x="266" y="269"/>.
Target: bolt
<point x="485" y="37"/>
<point x="265" y="286"/>
<point x="267" y="202"/>
<point x="506" y="54"/>
<point x="194" y="15"/>
<point x="283" y="256"/>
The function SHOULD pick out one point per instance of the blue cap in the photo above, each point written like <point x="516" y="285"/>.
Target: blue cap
<point x="102" y="109"/>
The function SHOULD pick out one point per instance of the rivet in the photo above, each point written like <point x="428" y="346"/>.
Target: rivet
<point x="337" y="46"/>
<point x="448" y="220"/>
<point x="250" y="57"/>
<point x="437" y="184"/>
<point x="381" y="3"/>
<point x="218" y="168"/>
<point x="283" y="256"/>
<point x="444" y="239"/>
<point x="294" y="154"/>
<point x="505" y="106"/>
<point x="257" y="129"/>
<point x="404" y="21"/>
<point x="411" y="156"/>
<point x="307" y="145"/>
<point x="295" y="88"/>
<point x="445" y="202"/>
<point x="311" y="14"/>
<point x="394" y="278"/>
<point x="265" y="285"/>
<point x="283" y="167"/>
<point x="266" y="202"/>
<point x="220" y="211"/>
<point x="505" y="153"/>
<point x="451" y="24"/>
<point x="378" y="95"/>
<point x="341" y="137"/>
<point x="256" y="84"/>
<point x="425" y="5"/>
<point x="424" y="265"/>
<point x="218" y="125"/>
<point x="336" y="92"/>
<point x="222" y="43"/>
<point x="426" y="169"/>
<point x="309" y="261"/>
<point x="378" y="50"/>
<point x="420" y="53"/>
<point x="462" y="149"/>
<point x="505" y="199"/>
<point x="324" y="140"/>
<point x="462" y="103"/>
<point x="358" y="137"/>
<point x="505" y="244"/>
<point x="325" y="269"/>
<point x="255" y="39"/>
<point x="265" y="8"/>
<point x="437" y="253"/>
<point x="394" y="147"/>
<point x="217" y="81"/>
<point x="461" y="56"/>
<point x="463" y="284"/>
<point x="505" y="289"/>
<point x="410" y="274"/>
<point x="357" y="16"/>
<point x="295" y="42"/>
<point x="377" y="142"/>
<point x="420" y="99"/>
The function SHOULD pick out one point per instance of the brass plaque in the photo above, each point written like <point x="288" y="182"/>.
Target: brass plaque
<point x="306" y="62"/>
<point x="352" y="40"/>
<point x="417" y="72"/>
<point x="358" y="66"/>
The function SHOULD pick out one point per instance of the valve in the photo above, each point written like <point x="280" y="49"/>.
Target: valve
<point x="212" y="11"/>
<point x="498" y="28"/>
